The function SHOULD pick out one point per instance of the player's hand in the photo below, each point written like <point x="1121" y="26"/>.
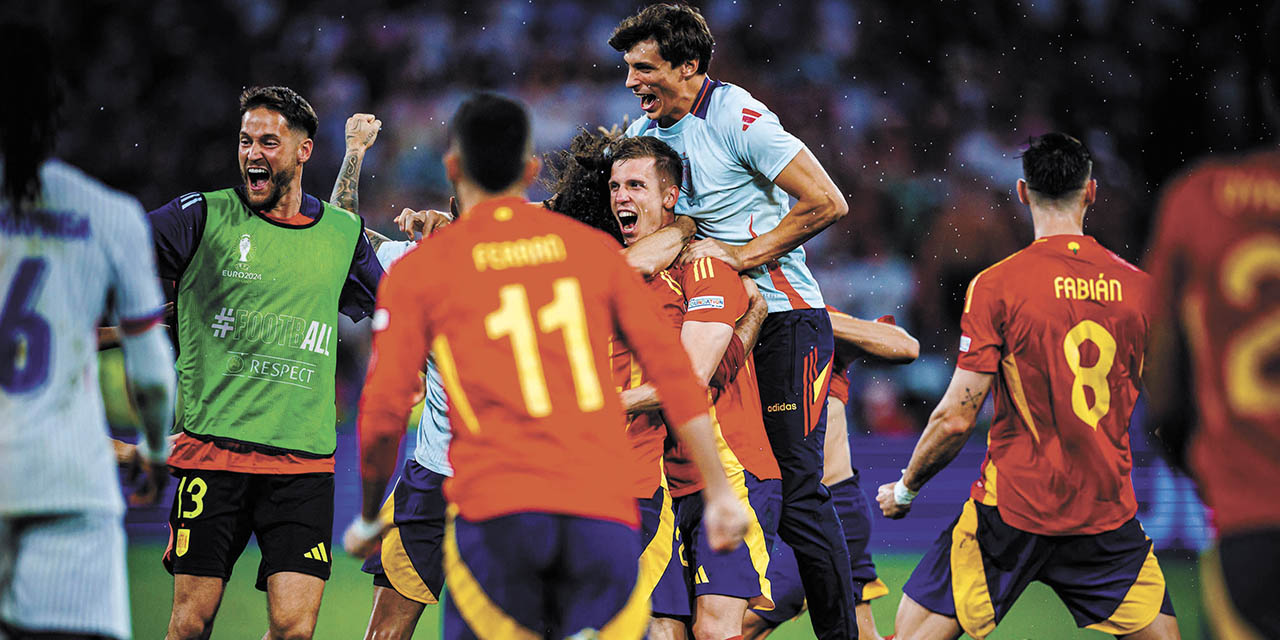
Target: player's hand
<point x="147" y="477"/>
<point x="362" y="538"/>
<point x="425" y="222"/>
<point x="711" y="248"/>
<point x="889" y="504"/>
<point x="753" y="292"/>
<point x="725" y="522"/>
<point x="362" y="130"/>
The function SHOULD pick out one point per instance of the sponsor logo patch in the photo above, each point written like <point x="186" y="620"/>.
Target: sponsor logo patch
<point x="964" y="344"/>
<point x="182" y="543"/>
<point x="706" y="302"/>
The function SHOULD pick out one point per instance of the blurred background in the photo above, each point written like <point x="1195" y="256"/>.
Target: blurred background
<point x="918" y="110"/>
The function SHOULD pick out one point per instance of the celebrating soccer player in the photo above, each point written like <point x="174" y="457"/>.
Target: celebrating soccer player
<point x="71" y="251"/>
<point x="1215" y="399"/>
<point x="856" y="338"/>
<point x="540" y="538"/>
<point x="263" y="270"/>
<point x="740" y="168"/>
<point x="1060" y="328"/>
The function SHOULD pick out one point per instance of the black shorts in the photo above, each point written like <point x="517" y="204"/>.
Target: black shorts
<point x="1239" y="579"/>
<point x="215" y="512"/>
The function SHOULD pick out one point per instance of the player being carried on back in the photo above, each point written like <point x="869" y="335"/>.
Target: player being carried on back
<point x="1060" y="328"/>
<point x="740" y="167"/>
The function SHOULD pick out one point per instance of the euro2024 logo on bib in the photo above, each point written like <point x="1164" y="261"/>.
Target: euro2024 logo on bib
<point x="245" y="245"/>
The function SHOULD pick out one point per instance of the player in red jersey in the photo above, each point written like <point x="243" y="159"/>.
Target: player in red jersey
<point x="880" y="340"/>
<point x="1215" y="392"/>
<point x="1060" y="328"/>
<point x="519" y="334"/>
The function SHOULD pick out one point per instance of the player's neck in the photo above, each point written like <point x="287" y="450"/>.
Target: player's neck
<point x="684" y="101"/>
<point x="1053" y="222"/>
<point x="470" y="195"/>
<point x="290" y="202"/>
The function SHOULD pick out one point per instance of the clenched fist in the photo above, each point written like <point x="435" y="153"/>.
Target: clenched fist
<point x="362" y="130"/>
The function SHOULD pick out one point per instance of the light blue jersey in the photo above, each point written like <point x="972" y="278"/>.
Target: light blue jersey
<point x="733" y="148"/>
<point x="432" y="448"/>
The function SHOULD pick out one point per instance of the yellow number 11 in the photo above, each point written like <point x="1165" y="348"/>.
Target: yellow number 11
<point x="565" y="312"/>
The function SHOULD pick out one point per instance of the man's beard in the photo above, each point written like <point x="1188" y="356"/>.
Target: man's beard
<point x="279" y="187"/>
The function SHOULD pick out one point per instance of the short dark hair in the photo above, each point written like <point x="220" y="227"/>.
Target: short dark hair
<point x="680" y="31"/>
<point x="29" y="115"/>
<point x="665" y="159"/>
<point x="492" y="134"/>
<point x="285" y="101"/>
<point x="1056" y="164"/>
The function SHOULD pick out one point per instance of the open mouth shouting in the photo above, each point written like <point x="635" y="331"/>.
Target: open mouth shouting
<point x="649" y="102"/>
<point x="628" y="221"/>
<point x="258" y="179"/>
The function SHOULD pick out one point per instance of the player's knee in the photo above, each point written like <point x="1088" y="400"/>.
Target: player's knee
<point x="189" y="625"/>
<point x="300" y="627"/>
<point x="754" y="627"/>
<point x="715" y="628"/>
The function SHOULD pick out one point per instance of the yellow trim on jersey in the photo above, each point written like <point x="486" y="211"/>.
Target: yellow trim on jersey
<point x="989" y="483"/>
<point x="1141" y="604"/>
<point x="396" y="564"/>
<point x="874" y="589"/>
<point x="671" y="282"/>
<point x="702" y="269"/>
<point x="452" y="384"/>
<point x="1009" y="367"/>
<point x="1222" y="612"/>
<point x="968" y="293"/>
<point x="757" y="544"/>
<point x="483" y="617"/>
<point x="974" y="610"/>
<point x="657" y="555"/>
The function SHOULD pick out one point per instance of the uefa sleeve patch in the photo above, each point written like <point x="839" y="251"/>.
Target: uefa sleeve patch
<point x="964" y="343"/>
<point x="706" y="302"/>
<point x="380" y="319"/>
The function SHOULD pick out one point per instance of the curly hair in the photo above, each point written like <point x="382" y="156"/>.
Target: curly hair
<point x="579" y="180"/>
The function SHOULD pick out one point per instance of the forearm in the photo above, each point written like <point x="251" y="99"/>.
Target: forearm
<point x="748" y="328"/>
<point x="640" y="399"/>
<point x="346" y="188"/>
<point x="804" y="221"/>
<point x="148" y="364"/>
<point x="375" y="239"/>
<point x="880" y="340"/>
<point x="658" y="250"/>
<point x="940" y="443"/>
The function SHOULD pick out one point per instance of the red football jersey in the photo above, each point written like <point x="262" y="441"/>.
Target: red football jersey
<point x="1063" y="325"/>
<point x="647" y="432"/>
<point x="1216" y="263"/>
<point x="517" y="304"/>
<point x="713" y="292"/>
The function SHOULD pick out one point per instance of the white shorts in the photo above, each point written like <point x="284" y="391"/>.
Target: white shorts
<point x="64" y="573"/>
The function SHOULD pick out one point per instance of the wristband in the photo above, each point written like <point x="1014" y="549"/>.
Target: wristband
<point x="154" y="457"/>
<point x="901" y="494"/>
<point x="366" y="529"/>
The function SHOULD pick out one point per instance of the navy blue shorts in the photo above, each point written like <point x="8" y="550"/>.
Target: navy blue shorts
<point x="743" y="572"/>
<point x="1238" y="580"/>
<point x="979" y="566"/>
<point x="855" y="518"/>
<point x="409" y="560"/>
<point x="661" y="566"/>
<point x="533" y="575"/>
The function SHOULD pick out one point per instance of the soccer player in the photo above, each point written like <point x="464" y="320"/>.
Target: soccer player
<point x="540" y="538"/>
<point x="1215" y="398"/>
<point x="882" y="341"/>
<point x="1060" y="328"/>
<point x="740" y="168"/>
<point x="263" y="270"/>
<point x="71" y="251"/>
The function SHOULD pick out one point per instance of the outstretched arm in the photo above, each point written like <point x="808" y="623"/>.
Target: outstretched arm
<point x="880" y="340"/>
<point x="949" y="428"/>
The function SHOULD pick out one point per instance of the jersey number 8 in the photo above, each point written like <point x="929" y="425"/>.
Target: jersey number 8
<point x="1094" y="377"/>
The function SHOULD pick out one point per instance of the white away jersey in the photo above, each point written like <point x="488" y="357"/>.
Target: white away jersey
<point x="61" y="265"/>
<point x="733" y="148"/>
<point x="432" y="447"/>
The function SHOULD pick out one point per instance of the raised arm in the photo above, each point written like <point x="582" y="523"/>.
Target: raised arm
<point x="949" y="428"/>
<point x="362" y="131"/>
<point x="657" y="251"/>
<point x="881" y="340"/>
<point x="819" y="203"/>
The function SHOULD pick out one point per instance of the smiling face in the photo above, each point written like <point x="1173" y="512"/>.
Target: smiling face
<point x="271" y="156"/>
<point x="641" y="201"/>
<point x="663" y="88"/>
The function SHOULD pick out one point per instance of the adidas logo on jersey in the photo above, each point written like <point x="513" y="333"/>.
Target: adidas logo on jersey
<point x="748" y="117"/>
<point x="317" y="553"/>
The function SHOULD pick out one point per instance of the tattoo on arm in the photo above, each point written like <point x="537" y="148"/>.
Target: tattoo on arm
<point x="375" y="239"/>
<point x="346" y="188"/>
<point x="972" y="399"/>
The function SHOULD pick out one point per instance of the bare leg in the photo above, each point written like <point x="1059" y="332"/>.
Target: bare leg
<point x="755" y="628"/>
<point x="394" y="616"/>
<point x="667" y="629"/>
<point x="1164" y="627"/>
<point x="914" y="622"/>
<point x="718" y="617"/>
<point x="293" y="603"/>
<point x="195" y="603"/>
<point x="866" y="622"/>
